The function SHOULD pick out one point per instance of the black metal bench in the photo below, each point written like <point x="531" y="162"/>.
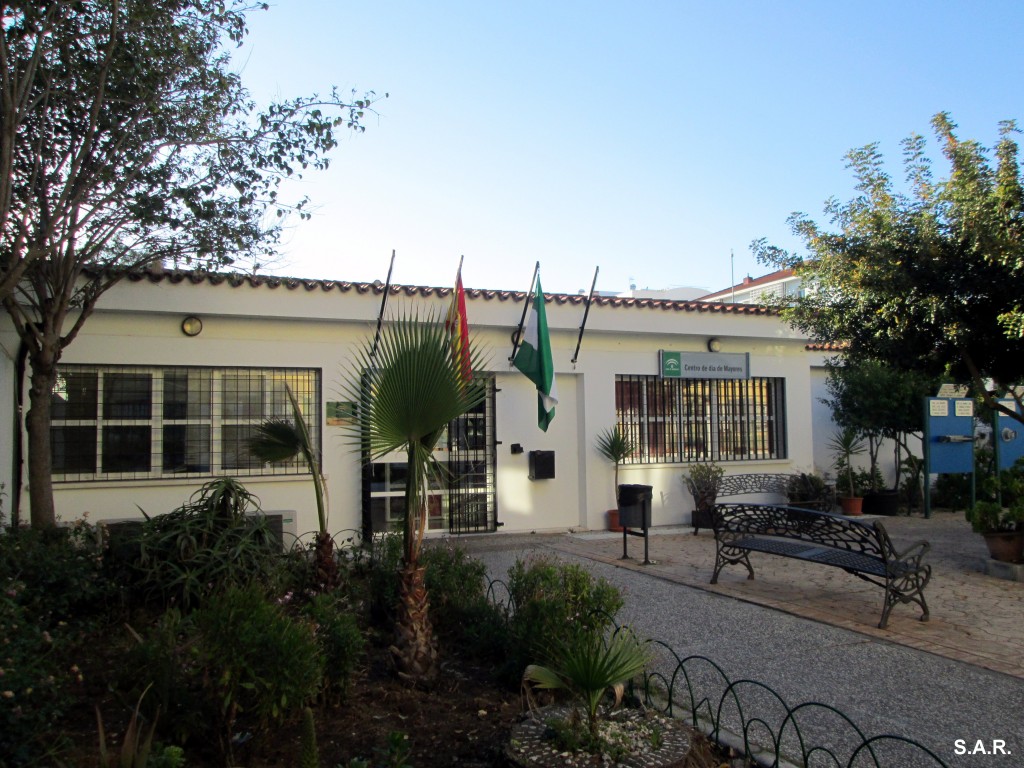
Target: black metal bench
<point x="751" y="484"/>
<point x="860" y="547"/>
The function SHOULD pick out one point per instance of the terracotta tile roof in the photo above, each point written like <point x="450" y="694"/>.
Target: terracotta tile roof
<point x="826" y="347"/>
<point x="749" y="283"/>
<point x="236" y="280"/>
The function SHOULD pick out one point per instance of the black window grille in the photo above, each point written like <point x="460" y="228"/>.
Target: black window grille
<point x="120" y="422"/>
<point x="463" y="499"/>
<point x="687" y="420"/>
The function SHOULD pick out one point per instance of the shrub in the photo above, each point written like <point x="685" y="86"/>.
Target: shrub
<point x="167" y="659"/>
<point x="60" y="571"/>
<point x="554" y="603"/>
<point x="239" y="656"/>
<point x="380" y="575"/>
<point x="208" y="545"/>
<point x="257" y="659"/>
<point x="340" y="641"/>
<point x="460" y="610"/>
<point x="34" y="683"/>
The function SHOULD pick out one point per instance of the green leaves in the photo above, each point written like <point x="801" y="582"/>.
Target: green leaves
<point x="928" y="279"/>
<point x="409" y="388"/>
<point x="586" y="666"/>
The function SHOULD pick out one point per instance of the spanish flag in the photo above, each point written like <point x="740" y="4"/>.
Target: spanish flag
<point x="457" y="326"/>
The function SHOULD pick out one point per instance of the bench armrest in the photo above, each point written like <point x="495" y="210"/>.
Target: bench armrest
<point x="912" y="555"/>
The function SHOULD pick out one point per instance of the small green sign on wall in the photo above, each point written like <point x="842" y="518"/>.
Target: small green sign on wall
<point x="671" y="364"/>
<point x="704" y="365"/>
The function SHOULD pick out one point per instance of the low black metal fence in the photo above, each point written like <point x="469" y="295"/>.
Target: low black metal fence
<point x="756" y="721"/>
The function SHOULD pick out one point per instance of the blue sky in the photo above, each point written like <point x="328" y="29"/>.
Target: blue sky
<point x="647" y="138"/>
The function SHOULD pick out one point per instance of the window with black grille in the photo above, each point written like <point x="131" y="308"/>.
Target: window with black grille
<point x="687" y="420"/>
<point x="117" y="422"/>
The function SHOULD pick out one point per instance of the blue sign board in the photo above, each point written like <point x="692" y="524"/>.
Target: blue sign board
<point x="1008" y="437"/>
<point x="949" y="434"/>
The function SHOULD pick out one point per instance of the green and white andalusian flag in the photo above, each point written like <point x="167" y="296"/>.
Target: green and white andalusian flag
<point x="534" y="359"/>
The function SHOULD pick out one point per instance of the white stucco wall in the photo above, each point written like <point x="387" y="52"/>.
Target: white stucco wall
<point x="139" y="323"/>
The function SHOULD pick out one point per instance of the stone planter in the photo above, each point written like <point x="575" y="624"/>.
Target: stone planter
<point x="881" y="503"/>
<point x="1006" y="547"/>
<point x="531" y="746"/>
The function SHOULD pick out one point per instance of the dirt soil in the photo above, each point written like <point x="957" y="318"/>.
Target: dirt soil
<point x="465" y="720"/>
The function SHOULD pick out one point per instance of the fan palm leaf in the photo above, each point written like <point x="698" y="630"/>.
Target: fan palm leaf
<point x="408" y="392"/>
<point x="277" y="441"/>
<point x="409" y="387"/>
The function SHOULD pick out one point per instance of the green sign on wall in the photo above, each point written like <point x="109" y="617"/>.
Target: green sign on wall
<point x="704" y="365"/>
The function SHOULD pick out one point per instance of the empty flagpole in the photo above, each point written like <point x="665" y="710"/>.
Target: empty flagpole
<point x="456" y="324"/>
<point x="517" y="334"/>
<point x="586" y="311"/>
<point x="383" y="304"/>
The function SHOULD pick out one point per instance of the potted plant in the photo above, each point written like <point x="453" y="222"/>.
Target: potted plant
<point x="884" y="406"/>
<point x="1001" y="528"/>
<point x="847" y="443"/>
<point x="616" y="447"/>
<point x="809" y="491"/>
<point x="702" y="482"/>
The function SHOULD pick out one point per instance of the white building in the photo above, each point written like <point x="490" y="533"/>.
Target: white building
<point x="766" y="289"/>
<point x="150" y="406"/>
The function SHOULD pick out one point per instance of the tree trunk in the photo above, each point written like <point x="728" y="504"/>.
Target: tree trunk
<point x="324" y="564"/>
<point x="40" y="459"/>
<point x="414" y="651"/>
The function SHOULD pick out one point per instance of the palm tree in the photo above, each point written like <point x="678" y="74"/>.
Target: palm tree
<point x="278" y="441"/>
<point x="409" y="389"/>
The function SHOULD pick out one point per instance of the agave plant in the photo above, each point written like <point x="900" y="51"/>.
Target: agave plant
<point x="276" y="441"/>
<point x="587" y="667"/>
<point x="408" y="390"/>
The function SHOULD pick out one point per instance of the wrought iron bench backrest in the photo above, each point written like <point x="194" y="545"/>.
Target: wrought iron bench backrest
<point x="822" y="528"/>
<point x="739" y="485"/>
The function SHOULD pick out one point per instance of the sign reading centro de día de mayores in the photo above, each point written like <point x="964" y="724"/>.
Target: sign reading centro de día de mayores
<point x="704" y="365"/>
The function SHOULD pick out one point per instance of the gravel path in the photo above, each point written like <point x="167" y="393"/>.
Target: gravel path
<point x="883" y="688"/>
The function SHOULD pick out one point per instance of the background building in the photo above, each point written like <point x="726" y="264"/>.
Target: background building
<point x="174" y="370"/>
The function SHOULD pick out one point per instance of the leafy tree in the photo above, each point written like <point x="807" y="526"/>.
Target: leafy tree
<point x="877" y="402"/>
<point x="408" y="390"/>
<point x="126" y="141"/>
<point x="927" y="280"/>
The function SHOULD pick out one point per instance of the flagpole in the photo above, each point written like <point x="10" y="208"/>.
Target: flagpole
<point x="383" y="304"/>
<point x="517" y="333"/>
<point x="586" y="311"/>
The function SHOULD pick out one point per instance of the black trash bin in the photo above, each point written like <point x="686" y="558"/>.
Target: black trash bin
<point x="635" y="506"/>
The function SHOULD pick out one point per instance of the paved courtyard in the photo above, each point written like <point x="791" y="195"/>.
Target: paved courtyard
<point x="975" y="618"/>
<point x="810" y="632"/>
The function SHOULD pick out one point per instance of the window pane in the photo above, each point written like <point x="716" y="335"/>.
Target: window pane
<point x="127" y="396"/>
<point x="74" y="396"/>
<point x="126" y="449"/>
<point x="234" y="448"/>
<point x="73" y="450"/>
<point x="186" y="448"/>
<point x="242" y="396"/>
<point x="187" y="394"/>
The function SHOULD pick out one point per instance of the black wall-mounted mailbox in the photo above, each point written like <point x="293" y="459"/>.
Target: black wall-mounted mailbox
<point x="542" y="465"/>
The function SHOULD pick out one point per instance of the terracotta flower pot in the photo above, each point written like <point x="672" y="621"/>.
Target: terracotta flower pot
<point x="851" y="505"/>
<point x="613" y="521"/>
<point x="1006" y="547"/>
